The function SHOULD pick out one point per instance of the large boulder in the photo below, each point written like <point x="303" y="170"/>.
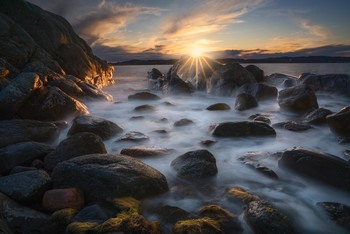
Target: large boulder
<point x="259" y="91"/>
<point x="292" y="126"/>
<point x="14" y="131"/>
<point x="22" y="153"/>
<point x="106" y="176"/>
<point x="339" y="83"/>
<point x="58" y="199"/>
<point x="317" y="116"/>
<point x="25" y="186"/>
<point x="176" y="86"/>
<point x="101" y="127"/>
<point x="21" y="219"/>
<point x="300" y="98"/>
<point x="243" y="129"/>
<point x="278" y="79"/>
<point x="14" y="95"/>
<point x="69" y="87"/>
<point x="339" y="213"/>
<point x="91" y="91"/>
<point x="339" y="122"/>
<point x="195" y="164"/>
<point x="257" y="72"/>
<point x="320" y="166"/>
<point x="51" y="42"/>
<point x="154" y="74"/>
<point x="79" y="144"/>
<point x="245" y="101"/>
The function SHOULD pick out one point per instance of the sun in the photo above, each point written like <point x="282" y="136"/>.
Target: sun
<point x="197" y="51"/>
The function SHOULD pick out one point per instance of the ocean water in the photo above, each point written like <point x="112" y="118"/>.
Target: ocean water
<point x="294" y="195"/>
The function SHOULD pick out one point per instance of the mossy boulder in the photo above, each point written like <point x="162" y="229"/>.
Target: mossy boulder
<point x="81" y="228"/>
<point x="126" y="204"/>
<point x="241" y="195"/>
<point x="64" y="216"/>
<point x="201" y="225"/>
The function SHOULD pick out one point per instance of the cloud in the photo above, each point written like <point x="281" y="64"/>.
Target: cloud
<point x="315" y="30"/>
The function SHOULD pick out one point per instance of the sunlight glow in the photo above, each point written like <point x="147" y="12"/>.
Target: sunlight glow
<point x="197" y="51"/>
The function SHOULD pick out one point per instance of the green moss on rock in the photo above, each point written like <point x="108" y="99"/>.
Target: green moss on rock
<point x="203" y="225"/>
<point x="65" y="215"/>
<point x="127" y="204"/>
<point x="241" y="195"/>
<point x="81" y="228"/>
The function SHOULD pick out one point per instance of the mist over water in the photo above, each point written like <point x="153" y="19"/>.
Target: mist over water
<point x="293" y="195"/>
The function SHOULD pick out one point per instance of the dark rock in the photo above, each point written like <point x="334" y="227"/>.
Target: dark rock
<point x="338" y="212"/>
<point x="98" y="213"/>
<point x="154" y="74"/>
<point x="257" y="72"/>
<point x="252" y="117"/>
<point x="161" y="131"/>
<point x="218" y="107"/>
<point x="176" y="86"/>
<point x="139" y="117"/>
<point x="133" y="136"/>
<point x="69" y="87"/>
<point x="347" y="154"/>
<point x="25" y="186"/>
<point x="252" y="161"/>
<point x="18" y="169"/>
<point x="14" y="95"/>
<point x="172" y="214"/>
<point x="38" y="164"/>
<point x="339" y="123"/>
<point x="259" y="91"/>
<point x="162" y="120"/>
<point x="146" y="151"/>
<point x="183" y="122"/>
<point x="58" y="199"/>
<point x="208" y="143"/>
<point x="300" y="98"/>
<point x="317" y="116"/>
<point x="202" y="225"/>
<point x="21" y="219"/>
<point x="263" y="218"/>
<point x="292" y="126"/>
<point x="243" y="129"/>
<point x="245" y="101"/>
<point x="320" y="166"/>
<point x="106" y="176"/>
<point x="289" y="83"/>
<point x="101" y="127"/>
<point x="14" y="131"/>
<point x="262" y="119"/>
<point x="61" y="124"/>
<point x="91" y="91"/>
<point x="168" y="103"/>
<point x="22" y="153"/>
<point x="195" y="164"/>
<point x="339" y="83"/>
<point x="3" y="83"/>
<point x="144" y="108"/>
<point x="277" y="79"/>
<point x="76" y="145"/>
<point x="143" y="96"/>
<point x="239" y="194"/>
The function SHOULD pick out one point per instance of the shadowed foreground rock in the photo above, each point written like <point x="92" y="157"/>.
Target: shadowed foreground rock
<point x="318" y="116"/>
<point x="339" y="122"/>
<point x="106" y="176"/>
<point x="243" y="129"/>
<point x="245" y="101"/>
<point x="299" y="98"/>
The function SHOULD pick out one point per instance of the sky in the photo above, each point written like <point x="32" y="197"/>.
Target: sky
<point x="149" y="29"/>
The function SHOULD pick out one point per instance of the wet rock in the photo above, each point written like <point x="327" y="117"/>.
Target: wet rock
<point x="154" y="74"/>
<point x="245" y="101"/>
<point x="172" y="214"/>
<point x="38" y="164"/>
<point x="277" y="79"/>
<point x="243" y="129"/>
<point x="320" y="166"/>
<point x="262" y="119"/>
<point x="105" y="176"/>
<point x="161" y="131"/>
<point x="91" y="91"/>
<point x="292" y="126"/>
<point x="69" y="87"/>
<point x="97" y="213"/>
<point x="104" y="128"/>
<point x="29" y="185"/>
<point x="263" y="218"/>
<point x="195" y="164"/>
<point x="146" y="151"/>
<point x="22" y="153"/>
<point x="126" y="204"/>
<point x="79" y="144"/>
<point x="252" y="160"/>
<point x="300" y="98"/>
<point x="133" y="136"/>
<point x="18" y="169"/>
<point x="144" y="108"/>
<point x="3" y="83"/>
<point x="318" y="116"/>
<point x="218" y="107"/>
<point x="176" y="86"/>
<point x="14" y="95"/>
<point x="202" y="225"/>
<point x="183" y="122"/>
<point x="252" y="117"/>
<point x="81" y="227"/>
<point x="162" y="120"/>
<point x="64" y="216"/>
<point x="168" y="104"/>
<point x="21" y="219"/>
<point x="143" y="96"/>
<point x="259" y="91"/>
<point x="139" y="117"/>
<point x="239" y="194"/>
<point x="257" y="72"/>
<point x="61" y="124"/>
<point x="58" y="199"/>
<point x="338" y="212"/>
<point x="347" y="154"/>
<point x="289" y="83"/>
<point x="208" y="143"/>
<point x="339" y="123"/>
<point x="14" y="131"/>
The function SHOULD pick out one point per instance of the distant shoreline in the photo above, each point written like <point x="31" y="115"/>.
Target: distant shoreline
<point x="308" y="59"/>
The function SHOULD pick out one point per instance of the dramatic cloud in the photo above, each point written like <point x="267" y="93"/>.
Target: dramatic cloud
<point x="316" y="30"/>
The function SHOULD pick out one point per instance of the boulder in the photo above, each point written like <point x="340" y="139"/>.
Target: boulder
<point x="58" y="199"/>
<point x="183" y="122"/>
<point x="263" y="218"/>
<point x="14" y="131"/>
<point x="262" y="119"/>
<point x="18" y="169"/>
<point x="134" y="136"/>
<point x="101" y="127"/>
<point x="3" y="83"/>
<point x="69" y="87"/>
<point x="257" y="72"/>
<point x="278" y="79"/>
<point x="339" y="122"/>
<point x="14" y="95"/>
<point x="195" y="164"/>
<point x="171" y="214"/>
<point x="154" y="74"/>
<point x="144" y="108"/>
<point x="146" y="151"/>
<point x="320" y="166"/>
<point x="338" y="212"/>
<point x="300" y="98"/>
<point x="292" y="126"/>
<point x="106" y="176"/>
<point x="259" y="91"/>
<point x="22" y="153"/>
<point x="239" y="194"/>
<point x="25" y="186"/>
<point x="245" y="101"/>
<point x="91" y="91"/>
<point x="21" y="219"/>
<point x="81" y="143"/>
<point x="289" y="83"/>
<point x="176" y="86"/>
<point x="143" y="96"/>
<point x="318" y="116"/>
<point x="98" y="213"/>
<point x="218" y="107"/>
<point x="61" y="124"/>
<point x="243" y="129"/>
<point x="202" y="225"/>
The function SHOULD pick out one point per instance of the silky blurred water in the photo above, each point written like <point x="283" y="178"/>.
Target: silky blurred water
<point x="294" y="195"/>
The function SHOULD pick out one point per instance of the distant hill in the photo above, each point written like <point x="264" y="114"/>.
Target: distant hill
<point x="305" y="59"/>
